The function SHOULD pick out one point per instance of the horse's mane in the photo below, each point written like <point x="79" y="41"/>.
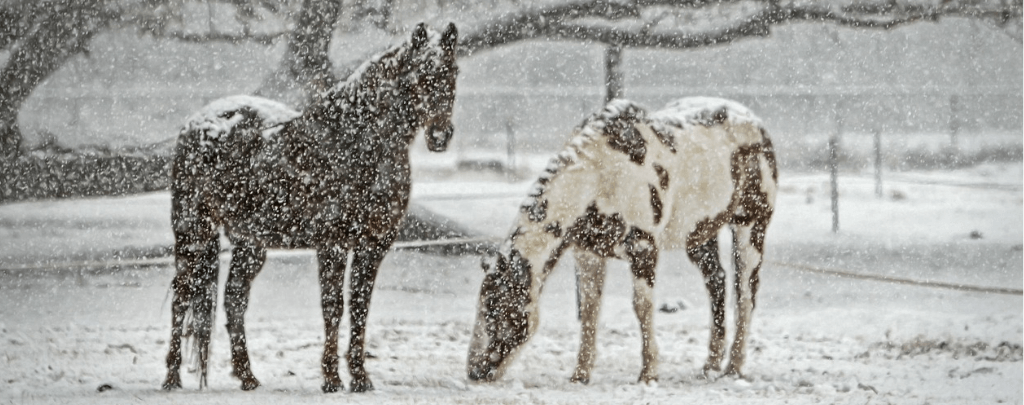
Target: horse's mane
<point x="382" y="70"/>
<point x="584" y="136"/>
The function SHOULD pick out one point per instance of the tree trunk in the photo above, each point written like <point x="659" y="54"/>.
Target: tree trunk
<point x="60" y="34"/>
<point x="305" y="71"/>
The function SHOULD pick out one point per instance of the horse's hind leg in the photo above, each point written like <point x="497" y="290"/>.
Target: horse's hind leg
<point x="747" y="256"/>
<point x="706" y="258"/>
<point x="196" y="246"/>
<point x="591" y="271"/>
<point x="332" y="303"/>
<point x="182" y="291"/>
<point x="246" y="263"/>
<point x="365" y="263"/>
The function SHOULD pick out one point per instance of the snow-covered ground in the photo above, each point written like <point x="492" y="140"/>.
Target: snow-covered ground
<point x="64" y="333"/>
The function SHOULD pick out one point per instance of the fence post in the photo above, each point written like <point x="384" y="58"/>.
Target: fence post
<point x="612" y="72"/>
<point x="833" y="169"/>
<point x="510" y="150"/>
<point x="878" y="162"/>
<point x="954" y="120"/>
<point x="833" y="160"/>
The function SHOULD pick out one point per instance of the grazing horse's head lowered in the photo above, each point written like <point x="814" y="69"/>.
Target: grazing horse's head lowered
<point x="503" y="320"/>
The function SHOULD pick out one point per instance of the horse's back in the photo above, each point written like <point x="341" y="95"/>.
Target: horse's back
<point x="710" y="137"/>
<point x="217" y="160"/>
<point x="217" y="120"/>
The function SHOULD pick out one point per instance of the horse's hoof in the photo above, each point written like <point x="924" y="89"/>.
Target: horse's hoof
<point x="580" y="378"/>
<point x="647" y="378"/>
<point x="709" y="371"/>
<point x="733" y="372"/>
<point x="361" y="385"/>
<point x="330" y="388"/>
<point x="172" y="383"/>
<point x="250" y="384"/>
<point x="709" y="367"/>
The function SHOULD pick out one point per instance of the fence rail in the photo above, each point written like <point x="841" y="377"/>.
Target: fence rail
<point x="169" y="261"/>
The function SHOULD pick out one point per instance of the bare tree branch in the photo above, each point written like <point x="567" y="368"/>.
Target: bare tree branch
<point x="234" y="38"/>
<point x="539" y="22"/>
<point x="574" y="21"/>
<point x="60" y="33"/>
<point x="167" y="23"/>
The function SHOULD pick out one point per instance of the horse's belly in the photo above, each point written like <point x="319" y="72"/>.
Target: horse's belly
<point x="297" y="223"/>
<point x="697" y="196"/>
<point x="272" y="225"/>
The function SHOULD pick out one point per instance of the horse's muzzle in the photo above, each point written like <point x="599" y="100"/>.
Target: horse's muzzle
<point x="439" y="136"/>
<point x="485" y="373"/>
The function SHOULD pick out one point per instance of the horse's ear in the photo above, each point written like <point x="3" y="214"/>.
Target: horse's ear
<point x="450" y="38"/>
<point x="419" y="36"/>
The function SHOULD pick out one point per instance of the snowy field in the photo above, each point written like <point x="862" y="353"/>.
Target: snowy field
<point x="65" y="333"/>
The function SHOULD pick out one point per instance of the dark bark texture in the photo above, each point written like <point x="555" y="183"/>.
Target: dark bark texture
<point x="306" y="71"/>
<point x="596" y="21"/>
<point x="44" y="36"/>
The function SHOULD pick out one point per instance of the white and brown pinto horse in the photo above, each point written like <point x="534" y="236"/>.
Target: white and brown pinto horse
<point x="630" y="185"/>
<point x="334" y="178"/>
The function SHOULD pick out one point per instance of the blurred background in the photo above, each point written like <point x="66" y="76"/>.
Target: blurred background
<point x="93" y="93"/>
<point x="937" y="91"/>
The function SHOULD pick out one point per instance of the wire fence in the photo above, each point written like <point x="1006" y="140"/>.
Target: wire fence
<point x="169" y="261"/>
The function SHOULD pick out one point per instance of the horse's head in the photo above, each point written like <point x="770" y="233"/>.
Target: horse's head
<point x="433" y="82"/>
<point x="503" y="321"/>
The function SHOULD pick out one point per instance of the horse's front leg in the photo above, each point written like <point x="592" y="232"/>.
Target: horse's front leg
<point x="331" y="261"/>
<point x="706" y="258"/>
<point x="642" y="252"/>
<point x="590" y="270"/>
<point x="246" y="263"/>
<point x="365" y="263"/>
<point x="748" y="263"/>
<point x="643" y="306"/>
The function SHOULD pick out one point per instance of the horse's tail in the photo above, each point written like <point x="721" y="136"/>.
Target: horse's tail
<point x="203" y="307"/>
<point x="768" y="151"/>
<point x="196" y="247"/>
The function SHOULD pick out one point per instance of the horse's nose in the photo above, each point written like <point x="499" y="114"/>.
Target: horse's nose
<point x="439" y="136"/>
<point x="481" y="373"/>
<point x="447" y="131"/>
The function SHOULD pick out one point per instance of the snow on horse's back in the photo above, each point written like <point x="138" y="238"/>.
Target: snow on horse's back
<point x="334" y="177"/>
<point x="628" y="185"/>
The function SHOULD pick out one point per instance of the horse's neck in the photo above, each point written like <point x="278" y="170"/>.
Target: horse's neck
<point x="558" y="199"/>
<point x="369" y="103"/>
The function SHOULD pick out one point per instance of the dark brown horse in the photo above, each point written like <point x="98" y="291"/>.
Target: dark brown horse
<point x="334" y="178"/>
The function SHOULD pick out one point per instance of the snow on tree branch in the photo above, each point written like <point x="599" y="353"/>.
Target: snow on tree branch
<point x="642" y="23"/>
<point x="234" y="38"/>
